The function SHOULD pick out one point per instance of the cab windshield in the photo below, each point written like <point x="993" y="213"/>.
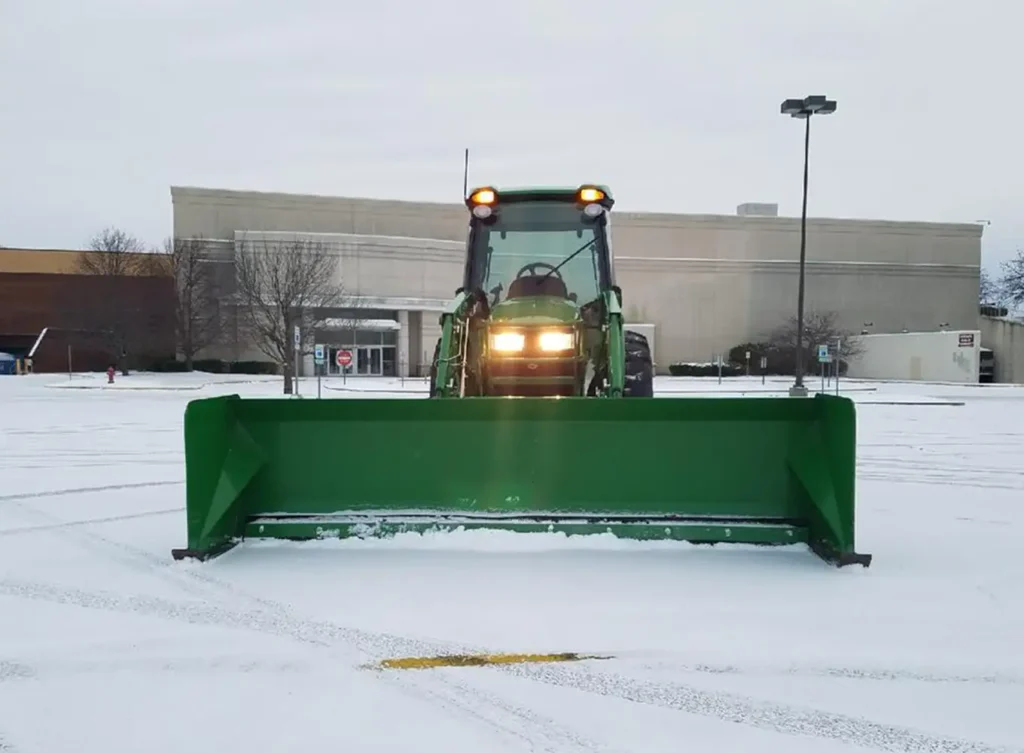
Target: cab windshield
<point x="537" y="248"/>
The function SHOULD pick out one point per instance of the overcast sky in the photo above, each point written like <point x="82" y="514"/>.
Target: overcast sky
<point x="104" y="104"/>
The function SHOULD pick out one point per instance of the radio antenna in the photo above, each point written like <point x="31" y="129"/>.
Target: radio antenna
<point x="465" y="176"/>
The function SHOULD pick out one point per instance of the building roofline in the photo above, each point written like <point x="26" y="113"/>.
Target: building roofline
<point x="33" y="250"/>
<point x="638" y="218"/>
<point x="20" y="249"/>
<point x="233" y="193"/>
<point x="52" y="261"/>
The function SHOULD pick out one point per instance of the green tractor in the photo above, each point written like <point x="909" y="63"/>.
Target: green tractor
<point x="534" y="332"/>
<point x="539" y="313"/>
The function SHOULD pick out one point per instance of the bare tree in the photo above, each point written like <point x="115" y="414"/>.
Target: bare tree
<point x="281" y="285"/>
<point x="196" y="293"/>
<point x="115" y="255"/>
<point x="112" y="252"/>
<point x="820" y="328"/>
<point x="1011" y="283"/>
<point x="988" y="289"/>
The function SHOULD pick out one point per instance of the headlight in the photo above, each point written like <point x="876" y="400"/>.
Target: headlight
<point x="556" y="341"/>
<point x="508" y="342"/>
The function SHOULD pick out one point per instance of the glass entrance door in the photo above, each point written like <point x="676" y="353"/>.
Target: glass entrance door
<point x="369" y="361"/>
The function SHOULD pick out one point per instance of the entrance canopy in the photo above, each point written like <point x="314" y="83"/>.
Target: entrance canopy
<point x="375" y="325"/>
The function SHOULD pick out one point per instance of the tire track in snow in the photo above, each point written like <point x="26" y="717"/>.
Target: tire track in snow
<point x="937" y="480"/>
<point x="106" y="462"/>
<point x="115" y="551"/>
<point x="476" y="703"/>
<point x="274" y="618"/>
<point x="371" y="645"/>
<point x="945" y="468"/>
<point x="233" y="664"/>
<point x="853" y="673"/>
<point x="46" y="433"/>
<point x="12" y="670"/>
<point x="85" y="490"/>
<point x="327" y="635"/>
<point x="89" y="521"/>
<point x="309" y="632"/>
<point x="786" y="719"/>
<point x="189" y="580"/>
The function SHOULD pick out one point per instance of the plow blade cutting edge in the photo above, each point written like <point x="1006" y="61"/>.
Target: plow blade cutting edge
<point x="741" y="470"/>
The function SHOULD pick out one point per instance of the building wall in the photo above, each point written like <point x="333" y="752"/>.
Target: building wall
<point x="381" y="266"/>
<point x="707" y="281"/>
<point x="76" y="310"/>
<point x="39" y="261"/>
<point x="1006" y="339"/>
<point x="919" y="356"/>
<point x="61" y="261"/>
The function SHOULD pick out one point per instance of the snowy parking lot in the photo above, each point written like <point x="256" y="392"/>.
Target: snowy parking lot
<point x="108" y="645"/>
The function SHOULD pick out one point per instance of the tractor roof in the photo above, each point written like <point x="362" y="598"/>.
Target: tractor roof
<point x="545" y="193"/>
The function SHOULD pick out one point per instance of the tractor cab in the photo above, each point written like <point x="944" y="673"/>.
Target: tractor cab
<point x="538" y="312"/>
<point x="545" y="244"/>
<point x="539" y="258"/>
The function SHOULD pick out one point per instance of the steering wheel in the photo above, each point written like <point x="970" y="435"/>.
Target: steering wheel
<point x="532" y="269"/>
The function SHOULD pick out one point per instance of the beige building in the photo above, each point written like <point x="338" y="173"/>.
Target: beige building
<point x="701" y="283"/>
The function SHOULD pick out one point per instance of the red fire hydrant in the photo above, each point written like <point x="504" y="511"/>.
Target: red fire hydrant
<point x="110" y="375"/>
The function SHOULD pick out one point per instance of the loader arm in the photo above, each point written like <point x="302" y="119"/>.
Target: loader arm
<point x="454" y="314"/>
<point x="615" y="344"/>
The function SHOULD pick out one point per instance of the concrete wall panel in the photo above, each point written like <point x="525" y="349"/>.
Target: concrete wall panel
<point x="919" y="356"/>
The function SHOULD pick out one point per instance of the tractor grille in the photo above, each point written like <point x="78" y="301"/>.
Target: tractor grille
<point x="532" y="368"/>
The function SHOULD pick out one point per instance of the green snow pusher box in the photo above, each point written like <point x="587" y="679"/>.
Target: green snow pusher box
<point x="706" y="470"/>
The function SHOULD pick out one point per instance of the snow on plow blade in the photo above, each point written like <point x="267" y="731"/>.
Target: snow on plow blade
<point x="742" y="470"/>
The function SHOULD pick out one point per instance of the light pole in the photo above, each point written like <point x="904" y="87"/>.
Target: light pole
<point x="804" y="108"/>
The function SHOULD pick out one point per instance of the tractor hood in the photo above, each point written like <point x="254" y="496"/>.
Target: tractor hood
<point x="537" y="310"/>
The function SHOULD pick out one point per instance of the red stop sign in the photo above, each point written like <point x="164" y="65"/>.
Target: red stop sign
<point x="343" y="357"/>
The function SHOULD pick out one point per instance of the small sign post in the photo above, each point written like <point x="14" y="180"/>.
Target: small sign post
<point x="297" y="342"/>
<point x="318" y="360"/>
<point x="839" y="361"/>
<point x="823" y="358"/>
<point x="343" y="358"/>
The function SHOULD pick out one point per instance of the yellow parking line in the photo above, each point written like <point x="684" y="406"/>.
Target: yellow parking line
<point x="479" y="660"/>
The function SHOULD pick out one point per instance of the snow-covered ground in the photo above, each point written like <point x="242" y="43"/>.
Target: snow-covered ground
<point x="108" y="645"/>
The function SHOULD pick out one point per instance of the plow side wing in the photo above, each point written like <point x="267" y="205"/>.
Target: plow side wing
<point x="745" y="470"/>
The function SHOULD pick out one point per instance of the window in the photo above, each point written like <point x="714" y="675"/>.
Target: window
<point x="541" y="239"/>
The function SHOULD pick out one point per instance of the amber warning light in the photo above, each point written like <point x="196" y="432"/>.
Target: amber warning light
<point x="482" y="199"/>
